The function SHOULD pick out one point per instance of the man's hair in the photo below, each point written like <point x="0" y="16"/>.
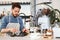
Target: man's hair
<point x="16" y="4"/>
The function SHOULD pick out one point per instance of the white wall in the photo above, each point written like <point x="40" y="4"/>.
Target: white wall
<point x="24" y="9"/>
<point x="40" y="1"/>
<point x="55" y="3"/>
<point x="17" y="0"/>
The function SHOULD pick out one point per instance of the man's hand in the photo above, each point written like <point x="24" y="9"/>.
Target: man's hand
<point x="13" y="30"/>
<point x="25" y="30"/>
<point x="9" y="29"/>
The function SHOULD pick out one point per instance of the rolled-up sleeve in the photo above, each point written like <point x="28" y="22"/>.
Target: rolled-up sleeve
<point x="21" y="24"/>
<point x="4" y="23"/>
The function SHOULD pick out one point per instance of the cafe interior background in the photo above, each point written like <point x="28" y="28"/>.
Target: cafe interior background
<point x="29" y="11"/>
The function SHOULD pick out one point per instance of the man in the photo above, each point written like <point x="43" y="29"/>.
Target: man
<point x="44" y="21"/>
<point x="13" y="23"/>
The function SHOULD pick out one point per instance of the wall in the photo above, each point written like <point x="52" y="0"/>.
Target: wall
<point x="24" y="9"/>
<point x="55" y="3"/>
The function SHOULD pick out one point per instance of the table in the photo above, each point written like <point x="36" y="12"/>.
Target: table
<point x="31" y="36"/>
<point x="7" y="37"/>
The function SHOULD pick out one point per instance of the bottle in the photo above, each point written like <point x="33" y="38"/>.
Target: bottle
<point x="49" y="32"/>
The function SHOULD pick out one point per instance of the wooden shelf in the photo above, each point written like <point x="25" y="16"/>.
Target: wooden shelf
<point x="24" y="3"/>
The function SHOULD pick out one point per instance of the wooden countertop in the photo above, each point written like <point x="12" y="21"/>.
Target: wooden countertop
<point x="28" y="37"/>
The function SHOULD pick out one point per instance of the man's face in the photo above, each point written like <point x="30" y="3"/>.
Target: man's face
<point x="44" y="11"/>
<point x="15" y="11"/>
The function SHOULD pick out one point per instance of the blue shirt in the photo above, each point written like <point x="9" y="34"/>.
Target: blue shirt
<point x="5" y="21"/>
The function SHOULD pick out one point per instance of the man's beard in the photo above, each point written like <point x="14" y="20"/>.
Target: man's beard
<point x="15" y="15"/>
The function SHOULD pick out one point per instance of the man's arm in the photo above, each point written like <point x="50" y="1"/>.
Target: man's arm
<point x="4" y="24"/>
<point x="22" y="28"/>
<point x="5" y="30"/>
<point x="9" y="30"/>
<point x="21" y="24"/>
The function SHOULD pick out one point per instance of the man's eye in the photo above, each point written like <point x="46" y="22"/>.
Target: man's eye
<point x="15" y="11"/>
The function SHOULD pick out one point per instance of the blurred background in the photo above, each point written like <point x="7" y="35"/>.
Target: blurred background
<point x="29" y="7"/>
<point x="30" y="10"/>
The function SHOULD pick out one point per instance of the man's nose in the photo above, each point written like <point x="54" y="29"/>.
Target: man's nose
<point x="16" y="12"/>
